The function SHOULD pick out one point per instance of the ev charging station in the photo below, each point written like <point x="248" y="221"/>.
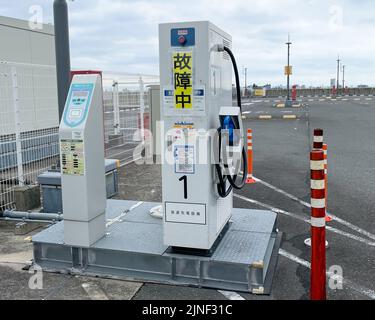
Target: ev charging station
<point x="195" y="81"/>
<point x="201" y="240"/>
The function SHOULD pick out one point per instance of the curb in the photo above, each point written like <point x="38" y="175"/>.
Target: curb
<point x="270" y="117"/>
<point x="265" y="117"/>
<point x="289" y="116"/>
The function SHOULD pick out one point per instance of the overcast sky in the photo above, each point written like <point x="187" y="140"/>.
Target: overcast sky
<point x="116" y="35"/>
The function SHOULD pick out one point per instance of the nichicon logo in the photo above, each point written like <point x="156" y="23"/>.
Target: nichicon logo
<point x="182" y="32"/>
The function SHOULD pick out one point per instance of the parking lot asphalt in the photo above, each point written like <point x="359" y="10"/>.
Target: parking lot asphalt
<point x="281" y="162"/>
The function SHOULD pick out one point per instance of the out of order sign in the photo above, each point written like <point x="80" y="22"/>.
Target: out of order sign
<point x="183" y="79"/>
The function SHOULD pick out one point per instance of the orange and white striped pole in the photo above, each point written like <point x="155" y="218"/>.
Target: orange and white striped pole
<point x="325" y="151"/>
<point x="249" y="177"/>
<point x="318" y="230"/>
<point x="318" y="139"/>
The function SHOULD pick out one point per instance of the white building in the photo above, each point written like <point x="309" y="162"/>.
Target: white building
<point x="27" y="63"/>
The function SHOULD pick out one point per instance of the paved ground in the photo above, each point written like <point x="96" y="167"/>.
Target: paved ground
<point x="281" y="159"/>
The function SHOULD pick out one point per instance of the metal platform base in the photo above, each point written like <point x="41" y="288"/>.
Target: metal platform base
<point x="244" y="260"/>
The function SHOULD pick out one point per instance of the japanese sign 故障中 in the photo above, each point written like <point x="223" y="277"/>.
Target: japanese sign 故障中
<point x="183" y="79"/>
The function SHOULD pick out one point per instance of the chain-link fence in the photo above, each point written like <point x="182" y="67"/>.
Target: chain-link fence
<point x="127" y="114"/>
<point x="29" y="142"/>
<point x="28" y="126"/>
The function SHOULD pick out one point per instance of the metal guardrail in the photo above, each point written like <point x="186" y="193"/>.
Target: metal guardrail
<point x="274" y="93"/>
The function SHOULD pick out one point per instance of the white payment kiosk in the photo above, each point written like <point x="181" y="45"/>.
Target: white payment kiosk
<point x="81" y="135"/>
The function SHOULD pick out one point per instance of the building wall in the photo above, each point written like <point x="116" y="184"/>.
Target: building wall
<point x="31" y="53"/>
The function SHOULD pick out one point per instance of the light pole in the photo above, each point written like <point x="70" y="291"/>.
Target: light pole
<point x="245" y="80"/>
<point x="338" y="73"/>
<point x="288" y="103"/>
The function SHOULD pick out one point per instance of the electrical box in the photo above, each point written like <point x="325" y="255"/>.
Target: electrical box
<point x="81" y="135"/>
<point x="195" y="82"/>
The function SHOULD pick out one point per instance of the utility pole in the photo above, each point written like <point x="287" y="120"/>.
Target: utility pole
<point x="338" y="73"/>
<point x="343" y="77"/>
<point x="288" y="102"/>
<point x="245" y="80"/>
<point x="62" y="52"/>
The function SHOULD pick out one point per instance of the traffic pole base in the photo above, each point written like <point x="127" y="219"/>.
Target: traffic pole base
<point x="250" y="180"/>
<point x="328" y="218"/>
<point x="307" y="243"/>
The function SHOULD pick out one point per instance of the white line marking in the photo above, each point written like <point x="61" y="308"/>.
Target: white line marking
<point x="246" y="112"/>
<point x="118" y="218"/>
<point x="247" y="103"/>
<point x="273" y="209"/>
<point x="231" y="295"/>
<point x="334" y="217"/>
<point x="294" y="258"/>
<point x="94" y="291"/>
<point x="346" y="282"/>
<point x="307" y="220"/>
<point x="306" y="204"/>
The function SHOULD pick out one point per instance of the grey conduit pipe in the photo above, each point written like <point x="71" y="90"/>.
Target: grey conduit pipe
<point x="32" y="215"/>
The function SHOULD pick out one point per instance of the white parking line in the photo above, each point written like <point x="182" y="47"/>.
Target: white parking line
<point x="346" y="282"/>
<point x="293" y="215"/>
<point x="306" y="204"/>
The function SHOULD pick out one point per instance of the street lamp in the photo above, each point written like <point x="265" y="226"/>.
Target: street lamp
<point x="288" y="72"/>
<point x="338" y="74"/>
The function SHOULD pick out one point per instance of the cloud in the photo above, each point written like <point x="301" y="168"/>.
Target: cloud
<point x="122" y="36"/>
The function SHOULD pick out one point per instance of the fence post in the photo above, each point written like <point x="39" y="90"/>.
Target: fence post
<point x="116" y="107"/>
<point x="142" y="107"/>
<point x="318" y="241"/>
<point x="17" y="125"/>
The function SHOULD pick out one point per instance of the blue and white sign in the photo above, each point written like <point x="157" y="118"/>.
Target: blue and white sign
<point x="78" y="102"/>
